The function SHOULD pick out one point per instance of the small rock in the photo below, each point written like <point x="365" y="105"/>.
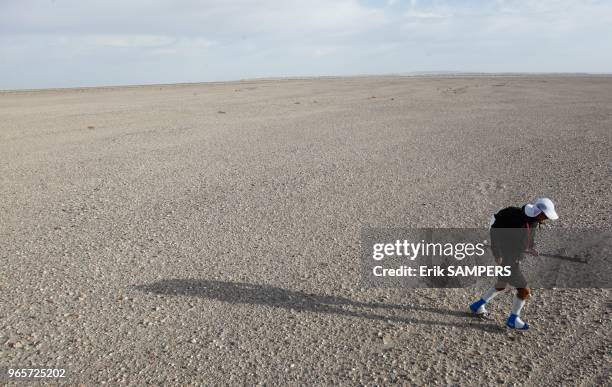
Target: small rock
<point x="387" y="340"/>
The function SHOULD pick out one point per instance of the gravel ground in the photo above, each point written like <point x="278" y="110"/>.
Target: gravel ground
<point x="209" y="233"/>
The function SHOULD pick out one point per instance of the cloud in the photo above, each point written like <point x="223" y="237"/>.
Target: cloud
<point x="323" y="51"/>
<point x="131" y="41"/>
<point x="424" y="15"/>
<point x="217" y="18"/>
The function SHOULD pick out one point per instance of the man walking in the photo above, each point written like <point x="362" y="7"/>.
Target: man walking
<point x="512" y="235"/>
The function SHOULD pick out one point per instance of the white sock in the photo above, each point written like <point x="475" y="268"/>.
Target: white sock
<point x="517" y="305"/>
<point x="490" y="294"/>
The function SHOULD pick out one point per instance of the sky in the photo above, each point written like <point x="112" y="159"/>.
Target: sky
<point x="71" y="43"/>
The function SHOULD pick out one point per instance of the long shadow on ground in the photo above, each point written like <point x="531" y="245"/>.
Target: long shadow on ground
<point x="253" y="294"/>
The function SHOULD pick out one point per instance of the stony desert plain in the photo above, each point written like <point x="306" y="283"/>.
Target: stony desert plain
<point x="210" y="233"/>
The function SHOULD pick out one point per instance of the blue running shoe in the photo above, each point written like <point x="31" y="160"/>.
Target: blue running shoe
<point x="515" y="322"/>
<point x="478" y="308"/>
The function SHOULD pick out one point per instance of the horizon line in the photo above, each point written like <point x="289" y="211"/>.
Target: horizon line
<point x="412" y="74"/>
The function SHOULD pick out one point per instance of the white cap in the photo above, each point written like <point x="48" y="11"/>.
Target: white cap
<point x="546" y="206"/>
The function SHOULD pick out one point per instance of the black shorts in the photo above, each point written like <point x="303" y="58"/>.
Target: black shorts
<point x="516" y="278"/>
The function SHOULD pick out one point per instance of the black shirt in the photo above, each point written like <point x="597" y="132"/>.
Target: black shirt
<point x="512" y="233"/>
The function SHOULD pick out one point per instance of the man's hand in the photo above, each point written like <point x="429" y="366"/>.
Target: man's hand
<point x="498" y="260"/>
<point x="533" y="252"/>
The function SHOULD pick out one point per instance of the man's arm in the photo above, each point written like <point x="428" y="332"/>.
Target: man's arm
<point x="495" y="244"/>
<point x="531" y="250"/>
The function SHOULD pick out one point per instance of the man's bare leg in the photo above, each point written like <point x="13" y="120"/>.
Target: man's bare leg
<point x="518" y="301"/>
